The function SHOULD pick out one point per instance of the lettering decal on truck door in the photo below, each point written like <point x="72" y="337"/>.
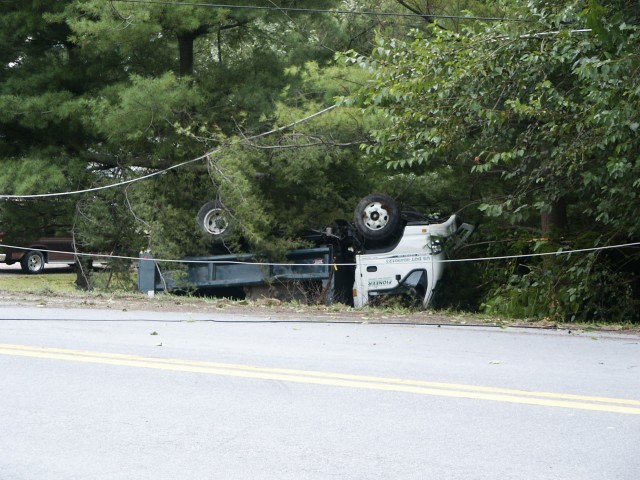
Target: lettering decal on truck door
<point x="410" y="259"/>
<point x="380" y="282"/>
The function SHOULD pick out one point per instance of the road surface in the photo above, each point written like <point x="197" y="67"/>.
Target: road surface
<point x="103" y="394"/>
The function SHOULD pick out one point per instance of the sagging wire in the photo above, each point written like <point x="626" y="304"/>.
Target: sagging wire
<point x="165" y="170"/>
<point x="332" y="265"/>
<point x="317" y="10"/>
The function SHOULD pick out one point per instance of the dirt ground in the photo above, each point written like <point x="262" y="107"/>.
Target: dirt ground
<point x="268" y="308"/>
<point x="276" y="310"/>
<point x="264" y="307"/>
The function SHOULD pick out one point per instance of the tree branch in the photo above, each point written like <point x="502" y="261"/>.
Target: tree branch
<point x="427" y="18"/>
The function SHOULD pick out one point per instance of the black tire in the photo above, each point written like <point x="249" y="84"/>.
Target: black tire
<point x="213" y="218"/>
<point x="377" y="217"/>
<point x="32" y="262"/>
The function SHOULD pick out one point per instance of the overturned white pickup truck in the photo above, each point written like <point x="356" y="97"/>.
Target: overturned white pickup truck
<point x="385" y="251"/>
<point x="413" y="263"/>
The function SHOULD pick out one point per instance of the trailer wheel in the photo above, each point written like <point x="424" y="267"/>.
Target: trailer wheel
<point x="32" y="262"/>
<point x="213" y="218"/>
<point x="377" y="216"/>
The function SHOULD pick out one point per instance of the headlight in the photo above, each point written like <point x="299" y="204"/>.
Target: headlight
<point x="435" y="244"/>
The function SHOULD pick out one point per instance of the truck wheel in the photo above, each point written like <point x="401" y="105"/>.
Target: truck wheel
<point x="213" y="218"/>
<point x="32" y="262"/>
<point x="377" y="216"/>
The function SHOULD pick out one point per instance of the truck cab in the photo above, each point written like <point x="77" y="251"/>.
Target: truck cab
<point x="414" y="264"/>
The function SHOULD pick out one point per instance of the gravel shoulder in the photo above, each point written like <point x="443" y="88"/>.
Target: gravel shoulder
<point x="271" y="309"/>
<point x="268" y="308"/>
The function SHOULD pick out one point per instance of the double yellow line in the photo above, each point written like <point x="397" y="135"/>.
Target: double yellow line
<point x="546" y="399"/>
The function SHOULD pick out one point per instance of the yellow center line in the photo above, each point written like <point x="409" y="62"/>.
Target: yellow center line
<point x="548" y="399"/>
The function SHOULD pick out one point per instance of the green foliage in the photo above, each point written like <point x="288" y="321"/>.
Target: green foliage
<point x="298" y="179"/>
<point x="530" y="122"/>
<point x="519" y="119"/>
<point x="564" y="289"/>
<point x="138" y="120"/>
<point x="25" y="221"/>
<point x="534" y="110"/>
<point x="96" y="92"/>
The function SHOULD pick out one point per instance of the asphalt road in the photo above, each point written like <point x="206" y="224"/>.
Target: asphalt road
<point x="134" y="395"/>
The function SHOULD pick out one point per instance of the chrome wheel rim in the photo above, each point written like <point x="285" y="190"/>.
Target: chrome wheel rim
<point x="376" y="216"/>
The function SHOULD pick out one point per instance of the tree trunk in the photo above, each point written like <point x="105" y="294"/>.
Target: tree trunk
<point x="555" y="221"/>
<point x="185" y="43"/>
<point x="84" y="274"/>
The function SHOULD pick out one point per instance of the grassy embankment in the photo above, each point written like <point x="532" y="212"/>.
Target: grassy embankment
<point x="58" y="283"/>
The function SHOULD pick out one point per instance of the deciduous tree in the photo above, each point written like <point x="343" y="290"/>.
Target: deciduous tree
<point x="539" y="117"/>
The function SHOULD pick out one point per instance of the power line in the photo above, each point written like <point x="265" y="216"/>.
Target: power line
<point x="173" y="167"/>
<point x="317" y="10"/>
<point x="332" y="265"/>
<point x="104" y="187"/>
